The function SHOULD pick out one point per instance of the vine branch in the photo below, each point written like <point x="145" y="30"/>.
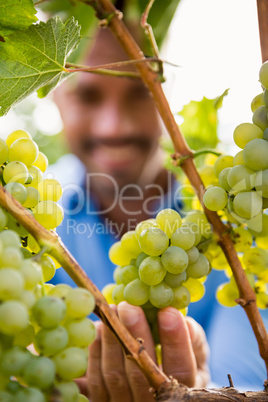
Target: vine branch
<point x="151" y="80"/>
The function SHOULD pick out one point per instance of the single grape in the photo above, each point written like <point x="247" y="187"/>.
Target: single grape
<point x="32" y="197"/>
<point x="140" y="258"/>
<point x="16" y="135"/>
<point x="36" y="175"/>
<point x="136" y="292"/>
<point x="13" y="317"/>
<point x="161" y="295"/>
<point x="223" y="182"/>
<point x="14" y="360"/>
<point x="118" y="294"/>
<point x="3" y="151"/>
<point x="31" y="272"/>
<point x="25" y="337"/>
<point x="199" y="225"/>
<point x="49" y="214"/>
<point x="81" y="332"/>
<point x="70" y="363"/>
<point x="49" y="190"/>
<point x="6" y="396"/>
<point x="11" y="284"/>
<point x="118" y="255"/>
<point x="223" y="162"/>
<point x="148" y="223"/>
<point x="238" y="159"/>
<point x="60" y="291"/>
<point x="49" y="311"/>
<point x="107" y="292"/>
<point x="246" y="132"/>
<point x="193" y="255"/>
<point x="259" y="117"/>
<point x="261" y="183"/>
<point x="15" y="172"/>
<point x="28" y="298"/>
<point x="255" y="154"/>
<point x="207" y="175"/>
<point x="11" y="257"/>
<point x="183" y="237"/>
<point x="48" y="342"/>
<point x="14" y="225"/>
<point x="39" y="372"/>
<point x="24" y="150"/>
<point x="175" y="260"/>
<point x="215" y="198"/>
<point x="153" y="241"/>
<point x="226" y="295"/>
<point x="17" y="190"/>
<point x="181" y="297"/>
<point x="69" y="391"/>
<point x="196" y="289"/>
<point x="151" y="271"/>
<point x="260" y="229"/>
<point x="199" y="268"/>
<point x="128" y="273"/>
<point x="30" y="394"/>
<point x="241" y="178"/>
<point x="41" y="162"/>
<point x="130" y="243"/>
<point x="168" y="220"/>
<point x="255" y="260"/>
<point x="247" y="204"/>
<point x="256" y="102"/>
<point x="79" y="303"/>
<point x="175" y="280"/>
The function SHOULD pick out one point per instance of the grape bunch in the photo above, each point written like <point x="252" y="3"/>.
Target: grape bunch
<point x="159" y="263"/>
<point x="22" y="168"/>
<point x="44" y="329"/>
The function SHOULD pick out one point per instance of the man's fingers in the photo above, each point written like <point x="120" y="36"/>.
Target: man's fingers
<point x="113" y="367"/>
<point x="134" y="320"/>
<point x="177" y="353"/>
<point x="96" y="385"/>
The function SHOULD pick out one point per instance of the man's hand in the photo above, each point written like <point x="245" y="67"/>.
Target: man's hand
<point x="113" y="378"/>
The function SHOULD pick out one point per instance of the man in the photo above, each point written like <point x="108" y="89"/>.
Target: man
<point x="112" y="126"/>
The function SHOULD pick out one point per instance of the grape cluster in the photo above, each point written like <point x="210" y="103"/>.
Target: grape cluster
<point x="22" y="171"/>
<point x="44" y="329"/>
<point x="159" y="263"/>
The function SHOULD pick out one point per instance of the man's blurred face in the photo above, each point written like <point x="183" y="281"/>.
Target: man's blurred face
<point x="110" y="123"/>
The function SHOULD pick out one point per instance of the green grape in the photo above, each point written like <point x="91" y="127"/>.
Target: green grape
<point x="256" y="102"/>
<point x="261" y="227"/>
<point x="193" y="255"/>
<point x="3" y="151"/>
<point x="136" y="292"/>
<point x="247" y="204"/>
<point x="13" y="317"/>
<point x="11" y="284"/>
<point x="11" y="257"/>
<point x="246" y="132"/>
<point x="32" y="197"/>
<point x="226" y="295"/>
<point x="199" y="268"/>
<point x="36" y="175"/>
<point x="175" y="280"/>
<point x="60" y="291"/>
<point x="16" y="135"/>
<point x="183" y="237"/>
<point x="140" y="258"/>
<point x="9" y="238"/>
<point x="255" y="154"/>
<point x="128" y="273"/>
<point x="259" y="117"/>
<point x="30" y="394"/>
<point x="151" y="271"/>
<point x="261" y="183"/>
<point x="161" y="295"/>
<point x="48" y="342"/>
<point x="14" y="225"/>
<point x="130" y="243"/>
<point x="153" y="241"/>
<point x="70" y="363"/>
<point x="14" y="360"/>
<point x="49" y="214"/>
<point x="215" y="198"/>
<point x="223" y="182"/>
<point x="181" y="297"/>
<point x="207" y="175"/>
<point x="49" y="311"/>
<point x="262" y="300"/>
<point x="148" y="223"/>
<point x="255" y="260"/>
<point x="28" y="298"/>
<point x="39" y="372"/>
<point x="223" y="162"/>
<point x="107" y="292"/>
<point x="118" y="255"/>
<point x="199" y="225"/>
<point x="15" y="172"/>
<point x="242" y="239"/>
<point x="79" y="303"/>
<point x="69" y="391"/>
<point x="118" y="293"/>
<point x="3" y="219"/>
<point x="81" y="332"/>
<point x="175" y="260"/>
<point x="82" y="398"/>
<point x="25" y="337"/>
<point x="24" y="150"/>
<point x="48" y="267"/>
<point x="5" y="396"/>
<point x="32" y="273"/>
<point x="41" y="162"/>
<point x="168" y="220"/>
<point x="17" y="190"/>
<point x="241" y="178"/>
<point x="265" y="97"/>
<point x="49" y="190"/>
<point x="238" y="159"/>
<point x="196" y="289"/>
<point x="116" y="276"/>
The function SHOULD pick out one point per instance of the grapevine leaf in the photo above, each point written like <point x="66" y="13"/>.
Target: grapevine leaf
<point x="35" y="58"/>
<point x="16" y="15"/>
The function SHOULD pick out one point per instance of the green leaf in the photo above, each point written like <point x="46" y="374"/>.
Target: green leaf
<point x="35" y="58"/>
<point x="16" y="15"/>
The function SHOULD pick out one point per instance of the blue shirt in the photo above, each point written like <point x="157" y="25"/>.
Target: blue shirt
<point x="88" y="236"/>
